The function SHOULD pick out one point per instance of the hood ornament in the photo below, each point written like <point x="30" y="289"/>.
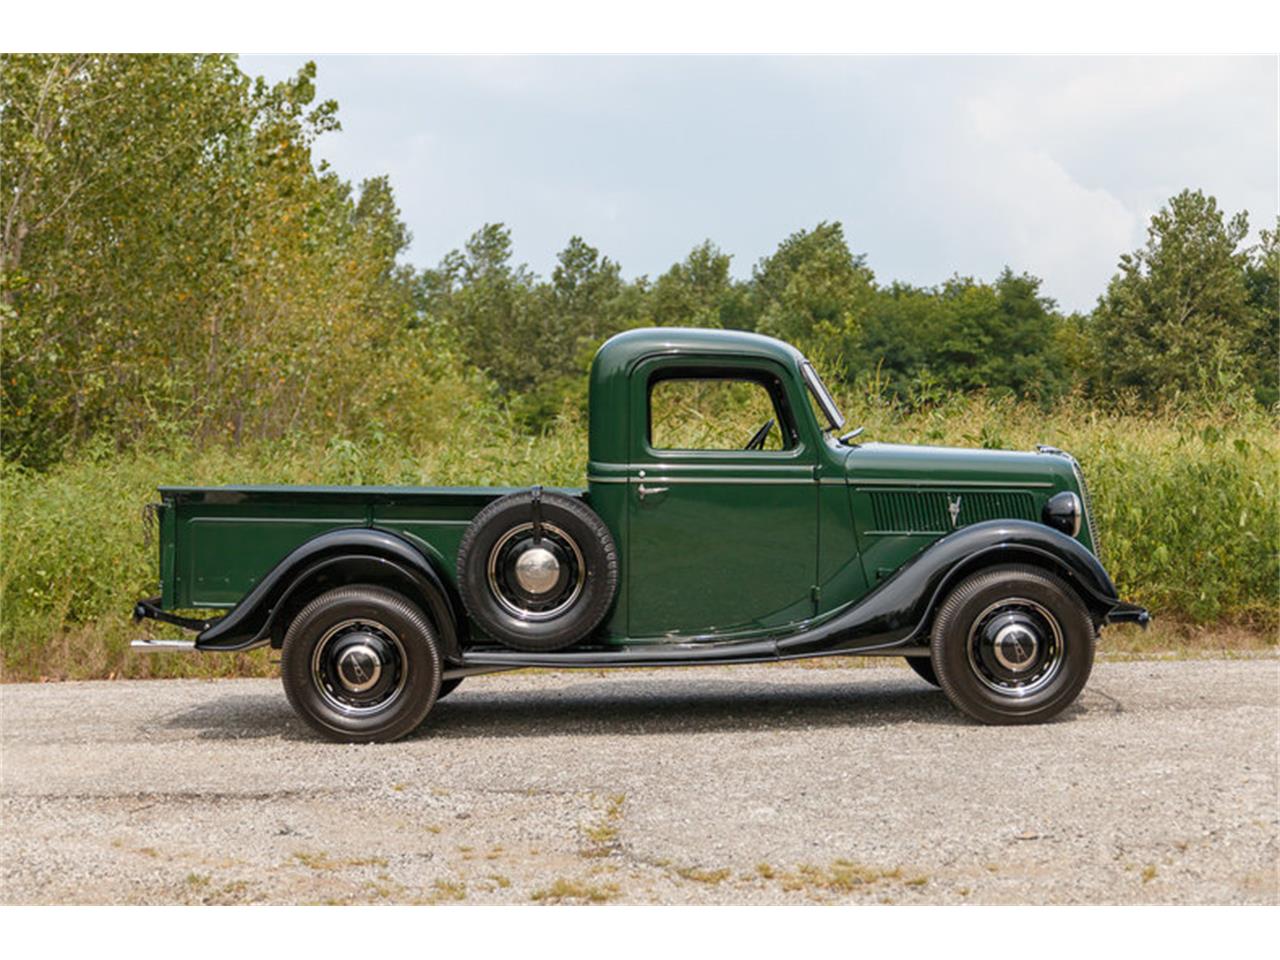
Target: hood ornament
<point x="953" y="508"/>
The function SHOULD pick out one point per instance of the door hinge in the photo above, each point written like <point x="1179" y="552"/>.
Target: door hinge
<point x="815" y="593"/>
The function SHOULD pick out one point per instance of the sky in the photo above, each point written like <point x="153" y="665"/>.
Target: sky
<point x="936" y="166"/>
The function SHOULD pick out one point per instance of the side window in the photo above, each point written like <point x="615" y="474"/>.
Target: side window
<point x="707" y="412"/>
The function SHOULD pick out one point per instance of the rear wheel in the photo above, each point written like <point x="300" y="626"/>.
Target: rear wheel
<point x="360" y="664"/>
<point x="1012" y="644"/>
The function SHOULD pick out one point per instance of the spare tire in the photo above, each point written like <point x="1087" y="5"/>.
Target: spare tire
<point x="537" y="571"/>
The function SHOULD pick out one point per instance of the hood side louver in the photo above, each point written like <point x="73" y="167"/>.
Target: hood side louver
<point x="930" y="511"/>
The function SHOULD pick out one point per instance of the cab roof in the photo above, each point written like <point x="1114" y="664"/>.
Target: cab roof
<point x="614" y="361"/>
<point x="622" y="351"/>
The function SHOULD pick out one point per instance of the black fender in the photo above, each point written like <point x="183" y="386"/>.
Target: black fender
<point x="898" y="612"/>
<point x="334" y="558"/>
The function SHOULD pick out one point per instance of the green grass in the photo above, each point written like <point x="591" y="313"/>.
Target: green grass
<point x="1186" y="506"/>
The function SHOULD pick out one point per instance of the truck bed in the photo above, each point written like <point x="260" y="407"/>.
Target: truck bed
<point x="217" y="542"/>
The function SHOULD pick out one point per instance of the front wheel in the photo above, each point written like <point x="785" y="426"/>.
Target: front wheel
<point x="361" y="664"/>
<point x="1012" y="644"/>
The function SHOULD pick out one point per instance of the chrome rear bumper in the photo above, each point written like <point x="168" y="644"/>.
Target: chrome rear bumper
<point x="162" y="646"/>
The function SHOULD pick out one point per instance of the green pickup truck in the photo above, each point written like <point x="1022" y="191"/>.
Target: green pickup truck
<point x="690" y="544"/>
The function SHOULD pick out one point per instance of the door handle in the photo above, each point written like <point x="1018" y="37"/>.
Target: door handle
<point x="646" y="491"/>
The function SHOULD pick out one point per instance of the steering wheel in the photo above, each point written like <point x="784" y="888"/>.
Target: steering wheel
<point x="760" y="436"/>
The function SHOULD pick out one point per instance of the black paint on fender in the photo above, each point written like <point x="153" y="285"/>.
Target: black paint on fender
<point x="898" y="611"/>
<point x="348" y="555"/>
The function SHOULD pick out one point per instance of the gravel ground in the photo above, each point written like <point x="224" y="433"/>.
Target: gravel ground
<point x="770" y="784"/>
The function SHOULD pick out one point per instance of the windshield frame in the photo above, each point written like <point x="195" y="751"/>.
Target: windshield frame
<point x="822" y="395"/>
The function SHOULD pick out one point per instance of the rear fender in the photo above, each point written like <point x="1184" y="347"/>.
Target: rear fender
<point x="334" y="559"/>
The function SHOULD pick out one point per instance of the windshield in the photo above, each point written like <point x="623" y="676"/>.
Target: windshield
<point x="822" y="395"/>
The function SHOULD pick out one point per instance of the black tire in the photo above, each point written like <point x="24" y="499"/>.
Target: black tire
<point x="355" y="635"/>
<point x="543" y="607"/>
<point x="923" y="667"/>
<point x="1012" y="644"/>
<point x="447" y="687"/>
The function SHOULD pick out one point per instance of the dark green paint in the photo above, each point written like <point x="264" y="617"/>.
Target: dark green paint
<point x="739" y="544"/>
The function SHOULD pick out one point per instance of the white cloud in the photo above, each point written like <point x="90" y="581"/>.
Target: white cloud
<point x="1000" y="199"/>
<point x="1051" y="165"/>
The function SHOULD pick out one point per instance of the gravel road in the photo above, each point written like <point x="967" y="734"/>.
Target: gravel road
<point x="769" y="784"/>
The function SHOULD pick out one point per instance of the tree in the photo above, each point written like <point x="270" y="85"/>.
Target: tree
<point x="813" y="292"/>
<point x="501" y="317"/>
<point x="585" y="289"/>
<point x="696" y="292"/>
<point x="534" y="339"/>
<point x="1176" y="316"/>
<point x="171" y="254"/>
<point x="1262" y="280"/>
<point x="965" y="335"/>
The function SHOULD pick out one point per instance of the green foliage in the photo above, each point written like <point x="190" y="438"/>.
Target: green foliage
<point x="1262" y="344"/>
<point x="1177" y="318"/>
<point x="171" y="254"/>
<point x="965" y="336"/>
<point x="813" y="291"/>
<point x="533" y="339"/>
<point x="698" y="292"/>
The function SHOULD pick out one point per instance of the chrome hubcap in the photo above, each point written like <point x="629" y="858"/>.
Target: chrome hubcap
<point x="537" y="570"/>
<point x="358" y="666"/>
<point x="1015" y="647"/>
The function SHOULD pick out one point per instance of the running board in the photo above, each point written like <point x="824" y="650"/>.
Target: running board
<point x="163" y="646"/>
<point x="659" y="656"/>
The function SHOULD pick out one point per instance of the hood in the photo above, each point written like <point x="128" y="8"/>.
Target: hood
<point x="957" y="466"/>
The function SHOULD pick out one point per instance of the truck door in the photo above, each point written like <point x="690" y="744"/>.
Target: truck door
<point x="722" y="506"/>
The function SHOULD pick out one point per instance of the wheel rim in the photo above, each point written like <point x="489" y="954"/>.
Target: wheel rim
<point x="536" y="578"/>
<point x="359" y="666"/>
<point x="1015" y="647"/>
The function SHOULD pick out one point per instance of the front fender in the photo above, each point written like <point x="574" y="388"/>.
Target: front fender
<point x="348" y="555"/>
<point x="897" y="612"/>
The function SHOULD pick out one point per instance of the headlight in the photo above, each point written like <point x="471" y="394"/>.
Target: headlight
<point x="1063" y="512"/>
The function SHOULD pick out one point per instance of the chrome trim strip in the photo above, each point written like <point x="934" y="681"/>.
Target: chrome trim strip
<point x="774" y="481"/>
<point x="667" y="466"/>
<point x="830" y="481"/>
<point x="907" y="533"/>
<point x="1014" y="484"/>
<point x="808" y="482"/>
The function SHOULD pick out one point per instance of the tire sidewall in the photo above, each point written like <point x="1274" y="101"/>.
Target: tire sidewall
<point x="421" y="664"/>
<point x="949" y="645"/>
